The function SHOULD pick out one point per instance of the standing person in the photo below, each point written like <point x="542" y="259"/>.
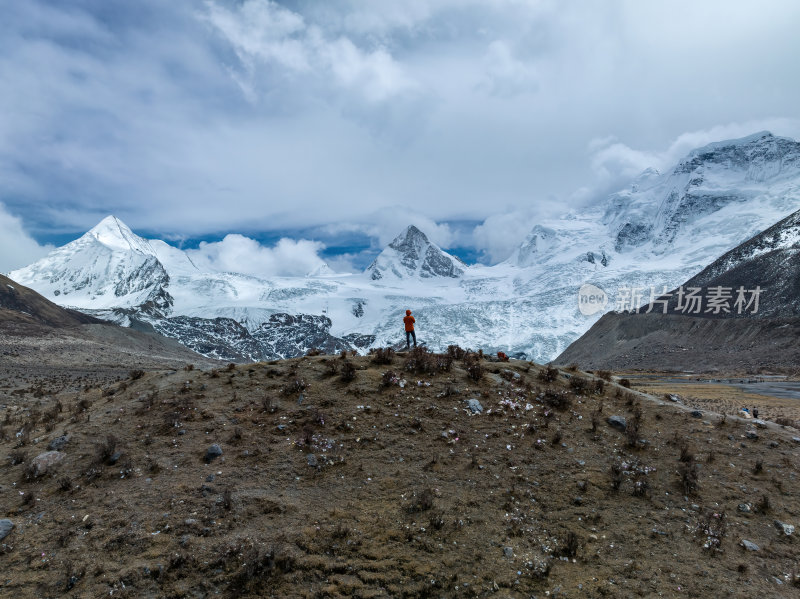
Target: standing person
<point x="409" y="321"/>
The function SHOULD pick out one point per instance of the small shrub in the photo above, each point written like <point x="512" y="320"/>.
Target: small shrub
<point x="616" y="476"/>
<point x="189" y="367"/>
<point x="420" y="360"/>
<point x="548" y="374"/>
<point x="106" y="449"/>
<point x="570" y="547"/>
<point x="688" y="477"/>
<point x="579" y="384"/>
<point x="455" y="352"/>
<point x="135" y="374"/>
<point x="557" y="399"/>
<point x="314" y="351"/>
<point x="65" y="484"/>
<point x="687" y="454"/>
<point x="227" y="499"/>
<point x="764" y="505"/>
<point x="474" y="367"/>
<point x="269" y="404"/>
<point x="603" y="374"/>
<point x="573" y="367"/>
<point x="598" y="386"/>
<point x="230" y="367"/>
<point x="758" y="467"/>
<point x="295" y="386"/>
<point x="557" y="437"/>
<point x="348" y="371"/>
<point x="389" y="378"/>
<point x="625" y="383"/>
<point x="632" y="428"/>
<point x="331" y="367"/>
<point x="422" y="501"/>
<point x="383" y="356"/>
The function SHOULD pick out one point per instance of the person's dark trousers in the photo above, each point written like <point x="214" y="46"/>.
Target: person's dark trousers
<point x="411" y="335"/>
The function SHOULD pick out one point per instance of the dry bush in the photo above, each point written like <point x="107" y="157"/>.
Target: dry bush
<point x="295" y="386"/>
<point x="624" y="383"/>
<point x="599" y="386"/>
<point x="389" y="378"/>
<point x="135" y="374"/>
<point x="106" y="449"/>
<point x="616" y="476"/>
<point x="422" y="501"/>
<point x="603" y="374"/>
<point x="548" y="374"/>
<point x="570" y="547"/>
<point x="331" y="367"/>
<point x="455" y="352"/>
<point x="314" y="351"/>
<point x="474" y="366"/>
<point x="557" y="399"/>
<point x="632" y="427"/>
<point x="420" y="361"/>
<point x="579" y="384"/>
<point x="383" y="355"/>
<point x="348" y="371"/>
<point x="688" y="477"/>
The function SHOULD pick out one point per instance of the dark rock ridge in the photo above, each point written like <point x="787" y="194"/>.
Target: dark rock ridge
<point x="712" y="340"/>
<point x="282" y="336"/>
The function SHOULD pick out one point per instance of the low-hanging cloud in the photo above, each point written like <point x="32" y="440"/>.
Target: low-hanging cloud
<point x="237" y="253"/>
<point x="17" y="247"/>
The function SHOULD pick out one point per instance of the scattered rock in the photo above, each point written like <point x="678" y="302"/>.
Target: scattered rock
<point x="210" y="478"/>
<point x="45" y="462"/>
<point x="751" y="434"/>
<point x="474" y="406"/>
<point x="749" y="545"/>
<point x="58" y="443"/>
<point x="5" y="528"/>
<point x="508" y="552"/>
<point x="114" y="458"/>
<point x="745" y="508"/>
<point x="510" y="374"/>
<point x="786" y="529"/>
<point x="213" y="453"/>
<point x="796" y="439"/>
<point x="617" y="422"/>
<point x="312" y="460"/>
<point x="774" y="444"/>
<point x="674" y="398"/>
<point x="697" y="414"/>
<point x="760" y="423"/>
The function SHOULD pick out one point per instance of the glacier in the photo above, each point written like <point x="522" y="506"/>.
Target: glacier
<point x="656" y="233"/>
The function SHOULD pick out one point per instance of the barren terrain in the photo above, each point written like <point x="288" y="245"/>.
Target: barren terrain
<point x="329" y="487"/>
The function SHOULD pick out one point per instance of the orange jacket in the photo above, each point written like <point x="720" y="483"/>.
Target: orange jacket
<point x="409" y="321"/>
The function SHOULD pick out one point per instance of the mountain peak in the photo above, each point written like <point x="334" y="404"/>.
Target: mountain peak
<point x="411" y="254"/>
<point x="115" y="234"/>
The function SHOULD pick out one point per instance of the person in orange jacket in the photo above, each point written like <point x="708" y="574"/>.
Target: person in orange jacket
<point x="409" y="321"/>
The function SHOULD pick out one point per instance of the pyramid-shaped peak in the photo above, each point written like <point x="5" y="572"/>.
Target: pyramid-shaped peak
<point x="411" y="254"/>
<point x="115" y="234"/>
<point x="411" y="234"/>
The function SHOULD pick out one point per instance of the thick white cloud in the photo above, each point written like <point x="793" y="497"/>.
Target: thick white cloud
<point x="198" y="118"/>
<point x="17" y="247"/>
<point x="237" y="253"/>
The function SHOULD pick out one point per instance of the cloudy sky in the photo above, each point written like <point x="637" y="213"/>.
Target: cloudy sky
<point x="320" y="129"/>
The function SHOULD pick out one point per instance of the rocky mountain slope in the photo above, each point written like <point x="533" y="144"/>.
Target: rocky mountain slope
<point x="760" y="332"/>
<point x="328" y="477"/>
<point x="42" y="341"/>
<point x="655" y="234"/>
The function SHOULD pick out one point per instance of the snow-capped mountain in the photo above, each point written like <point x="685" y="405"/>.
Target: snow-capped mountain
<point x="657" y="233"/>
<point x="412" y="255"/>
